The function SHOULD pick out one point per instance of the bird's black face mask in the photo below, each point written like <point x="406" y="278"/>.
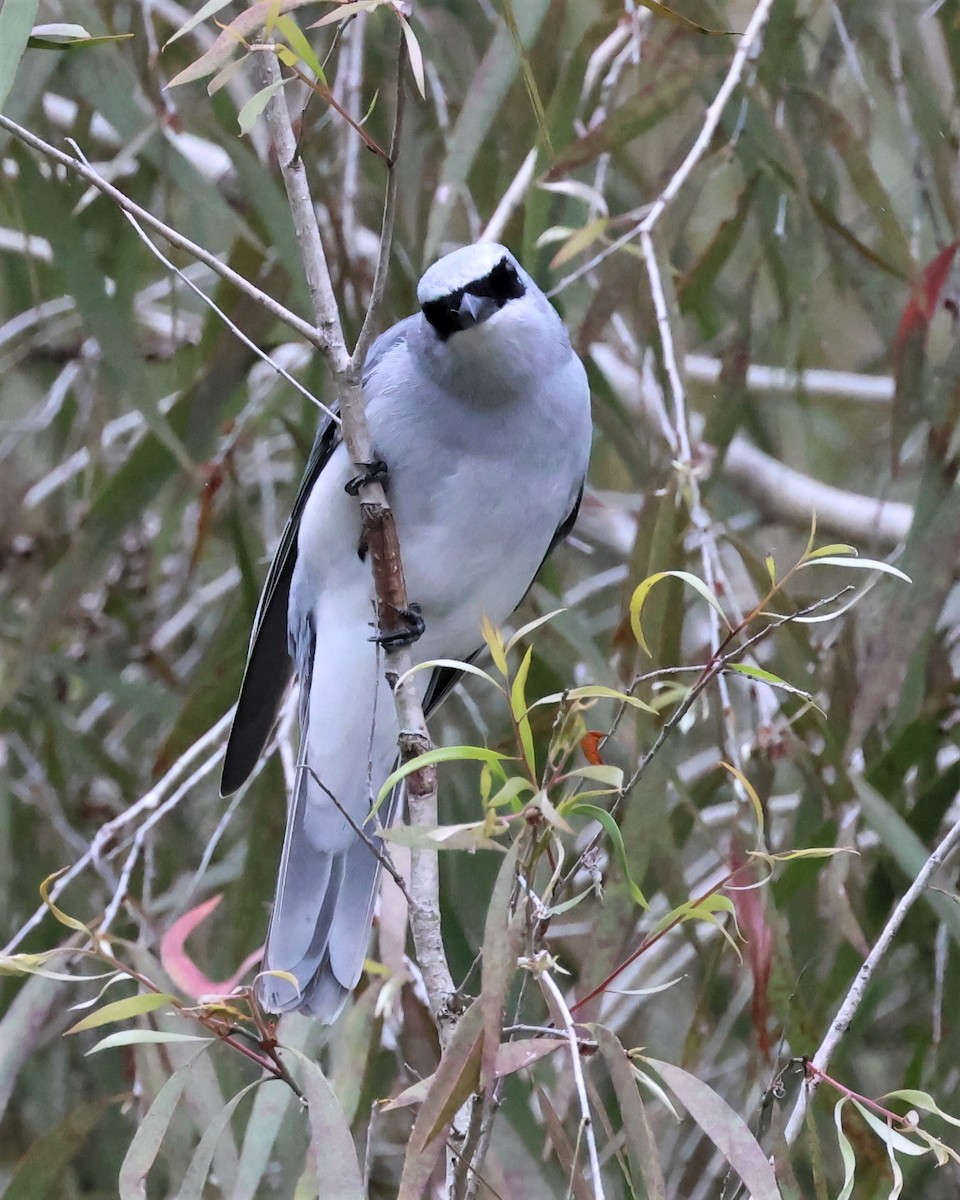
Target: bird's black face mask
<point x="475" y="303"/>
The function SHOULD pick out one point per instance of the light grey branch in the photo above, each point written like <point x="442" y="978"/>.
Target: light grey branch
<point x="782" y="492"/>
<point x="166" y="231"/>
<point x="847" y="1010"/>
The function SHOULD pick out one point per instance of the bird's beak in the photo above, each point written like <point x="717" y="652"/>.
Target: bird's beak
<point x="474" y="310"/>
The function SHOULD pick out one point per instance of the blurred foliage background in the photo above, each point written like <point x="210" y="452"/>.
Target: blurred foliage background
<point x="149" y="459"/>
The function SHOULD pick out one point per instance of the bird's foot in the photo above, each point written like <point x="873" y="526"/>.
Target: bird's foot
<point x="373" y="472"/>
<point x="412" y="627"/>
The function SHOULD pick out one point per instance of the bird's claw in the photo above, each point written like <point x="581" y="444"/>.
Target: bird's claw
<point x="373" y="472"/>
<point x="412" y="618"/>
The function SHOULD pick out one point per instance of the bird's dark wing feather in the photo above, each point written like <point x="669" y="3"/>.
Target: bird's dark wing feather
<point x="444" y="679"/>
<point x="269" y="667"/>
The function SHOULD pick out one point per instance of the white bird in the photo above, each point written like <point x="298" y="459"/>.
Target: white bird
<point x="480" y="410"/>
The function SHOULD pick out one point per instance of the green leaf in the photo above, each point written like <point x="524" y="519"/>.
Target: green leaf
<point x="846" y="1152"/>
<point x="518" y="706"/>
<point x="863" y="564"/>
<point x="526" y="630"/>
<point x="17" y="18"/>
<point x="641" y="1145"/>
<point x="330" y="1136"/>
<point x="298" y="40"/>
<point x="151" y="1130"/>
<point x="442" y="754"/>
<point x="762" y="676"/>
<point x="921" y="1100"/>
<point x="248" y="116"/>
<point x="192" y="1185"/>
<point x="594" y="691"/>
<point x="639" y="597"/>
<point x="612" y="830"/>
<point x="895" y="1140"/>
<point x="122" y="1010"/>
<point x="751" y="793"/>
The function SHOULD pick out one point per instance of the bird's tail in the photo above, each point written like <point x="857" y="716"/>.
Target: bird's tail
<point x="321" y="917"/>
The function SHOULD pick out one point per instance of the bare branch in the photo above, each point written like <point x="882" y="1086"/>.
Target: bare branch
<point x="848" y="1009"/>
<point x="166" y="231"/>
<point x="546" y="981"/>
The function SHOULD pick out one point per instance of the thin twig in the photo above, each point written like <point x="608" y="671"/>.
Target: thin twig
<point x="212" y="304"/>
<point x="304" y="328"/>
<point x="107" y="833"/>
<point x="387" y="223"/>
<point x="586" y="1121"/>
<point x="851" y="1002"/>
<point x="378" y="852"/>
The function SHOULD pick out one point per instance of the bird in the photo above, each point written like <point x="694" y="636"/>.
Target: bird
<point x="479" y="411"/>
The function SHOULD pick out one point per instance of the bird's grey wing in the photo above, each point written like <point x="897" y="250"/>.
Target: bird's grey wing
<point x="386" y="342"/>
<point x="444" y="679"/>
<point x="268" y="668"/>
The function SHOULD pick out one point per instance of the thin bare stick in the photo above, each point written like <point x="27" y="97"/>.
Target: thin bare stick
<point x="546" y="981"/>
<point x="211" y="303"/>
<point x="304" y="328"/>
<point x="711" y="120"/>
<point x="107" y="833"/>
<point x="386" y="227"/>
<point x="378" y="852"/>
<point x="851" y="1002"/>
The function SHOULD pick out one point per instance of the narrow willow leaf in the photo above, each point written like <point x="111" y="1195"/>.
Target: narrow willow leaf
<point x="297" y="39"/>
<point x="518" y="706"/>
<point x="61" y="916"/>
<point x="838" y="548"/>
<point x="599" y="773"/>
<point x="890" y="1136"/>
<point x="248" y="116"/>
<point x="206" y="10"/>
<point x="494" y="639"/>
<point x="330" y="1135"/>
<point x="725" y="1128"/>
<point x="594" y="691"/>
<point x="143" y="1037"/>
<point x="514" y="1056"/>
<point x="16" y="21"/>
<point x="526" y="630"/>
<point x="415" y="54"/>
<point x="922" y="1100"/>
<point x="751" y="793"/>
<point x="493" y="758"/>
<point x="639" y="597"/>
<point x="470" y="836"/>
<point x="612" y="830"/>
<point x="762" y="676"/>
<point x="498" y="959"/>
<point x="863" y="564"/>
<point x="192" y="1185"/>
<point x="151" y="1130"/>
<point x="454" y="664"/>
<point x="846" y="1152"/>
<point x="641" y="1144"/>
<point x="122" y="1010"/>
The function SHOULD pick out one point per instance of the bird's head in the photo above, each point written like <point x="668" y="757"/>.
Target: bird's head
<point x="467" y="288"/>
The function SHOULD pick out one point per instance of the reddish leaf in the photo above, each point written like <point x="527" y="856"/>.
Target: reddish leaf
<point x="590" y="745"/>
<point x="750" y="906"/>
<point x="181" y="968"/>
<point x="922" y="304"/>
